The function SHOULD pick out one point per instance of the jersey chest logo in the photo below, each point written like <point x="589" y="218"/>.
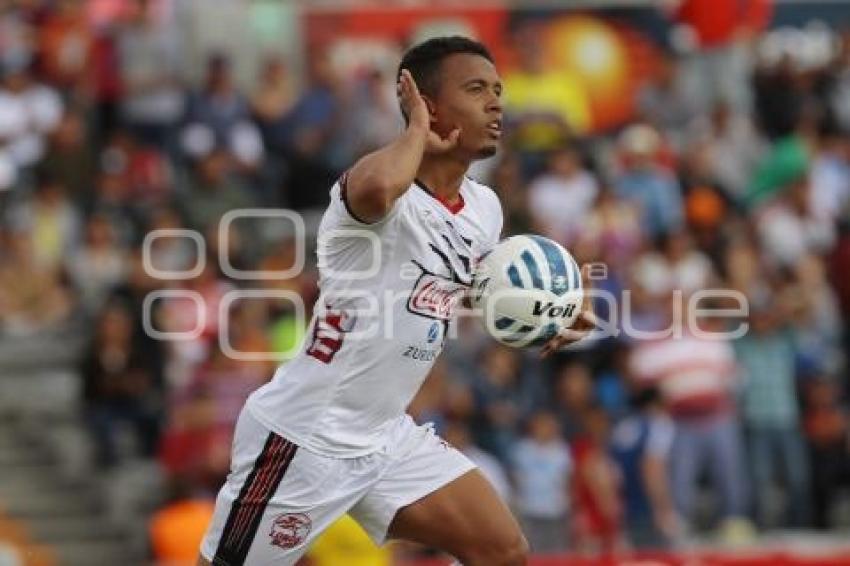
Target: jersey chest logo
<point x="434" y="296"/>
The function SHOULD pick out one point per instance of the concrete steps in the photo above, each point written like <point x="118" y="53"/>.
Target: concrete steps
<point x="66" y="520"/>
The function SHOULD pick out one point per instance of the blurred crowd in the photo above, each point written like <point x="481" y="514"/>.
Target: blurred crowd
<point x="632" y="440"/>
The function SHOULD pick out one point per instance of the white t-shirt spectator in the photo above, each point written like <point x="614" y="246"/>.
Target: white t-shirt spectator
<point x="542" y="473"/>
<point x="560" y="204"/>
<point x="658" y="276"/>
<point x="787" y="236"/>
<point x="492" y="470"/>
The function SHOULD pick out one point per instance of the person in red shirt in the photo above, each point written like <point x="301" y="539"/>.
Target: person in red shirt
<point x="717" y="23"/>
<point x="596" y="494"/>
<point x="717" y="34"/>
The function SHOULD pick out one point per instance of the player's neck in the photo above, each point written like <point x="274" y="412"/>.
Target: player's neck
<point x="442" y="177"/>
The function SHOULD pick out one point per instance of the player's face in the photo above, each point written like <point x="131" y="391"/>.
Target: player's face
<point x="469" y="97"/>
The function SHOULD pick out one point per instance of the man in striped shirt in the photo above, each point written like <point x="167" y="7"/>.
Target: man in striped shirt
<point x="696" y="375"/>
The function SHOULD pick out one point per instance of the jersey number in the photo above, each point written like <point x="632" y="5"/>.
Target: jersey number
<point x="327" y="338"/>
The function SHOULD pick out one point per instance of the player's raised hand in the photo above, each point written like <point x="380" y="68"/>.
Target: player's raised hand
<point x="416" y="109"/>
<point x="412" y="103"/>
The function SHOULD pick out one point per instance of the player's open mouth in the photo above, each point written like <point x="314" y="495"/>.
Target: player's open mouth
<point x="495" y="128"/>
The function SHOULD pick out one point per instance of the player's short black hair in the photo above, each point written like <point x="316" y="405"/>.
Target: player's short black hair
<point x="423" y="60"/>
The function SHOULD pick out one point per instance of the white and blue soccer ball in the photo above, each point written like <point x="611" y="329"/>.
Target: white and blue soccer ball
<point x="527" y="289"/>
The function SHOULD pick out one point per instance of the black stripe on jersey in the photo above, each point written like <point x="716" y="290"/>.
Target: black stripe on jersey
<point x="467" y="241"/>
<point x="463" y="259"/>
<point x="455" y="277"/>
<point x="247" y="510"/>
<point x="343" y="195"/>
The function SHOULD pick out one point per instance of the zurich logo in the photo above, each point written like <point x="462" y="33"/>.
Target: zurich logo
<point x="433" y="332"/>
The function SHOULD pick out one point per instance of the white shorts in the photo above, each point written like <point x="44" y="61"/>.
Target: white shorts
<point x="279" y="497"/>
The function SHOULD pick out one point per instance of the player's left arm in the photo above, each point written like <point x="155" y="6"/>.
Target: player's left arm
<point x="582" y="327"/>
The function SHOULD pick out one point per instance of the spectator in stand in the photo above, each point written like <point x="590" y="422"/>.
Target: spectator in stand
<point x="506" y="178"/>
<point x="200" y="320"/>
<point x="542" y="468"/>
<point x="826" y="424"/>
<point x="213" y="190"/>
<point x="52" y="220"/>
<point x="120" y="387"/>
<point x="33" y="298"/>
<point x="177" y="528"/>
<point x="170" y="253"/>
<point x="663" y="104"/>
<point x="731" y="148"/>
<point x="816" y="321"/>
<point x="504" y="392"/>
<point x="838" y="87"/>
<point x="697" y="377"/>
<point x="561" y="198"/>
<point x="839" y="281"/>
<point x="150" y="61"/>
<point x="306" y="134"/>
<point x="612" y="231"/>
<point x="204" y="413"/>
<point x="549" y="105"/>
<point x="641" y="445"/>
<point x="371" y="118"/>
<point x="597" y="505"/>
<point x="718" y="34"/>
<point x="143" y="170"/>
<point x="273" y="98"/>
<point x="99" y="266"/>
<point x="779" y="98"/>
<point x="573" y="395"/>
<point x="345" y="542"/>
<point x="678" y="267"/>
<point x="65" y="41"/>
<point x="457" y="434"/>
<point x="218" y="118"/>
<point x="70" y="157"/>
<point x="789" y="228"/>
<point x="111" y="199"/>
<point x="643" y="182"/>
<point x="30" y="107"/>
<point x="830" y="175"/>
<point x="767" y="356"/>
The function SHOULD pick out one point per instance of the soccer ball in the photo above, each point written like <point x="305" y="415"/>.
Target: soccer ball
<point x="527" y="289"/>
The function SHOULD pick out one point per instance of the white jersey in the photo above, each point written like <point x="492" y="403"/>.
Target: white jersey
<point x="389" y="291"/>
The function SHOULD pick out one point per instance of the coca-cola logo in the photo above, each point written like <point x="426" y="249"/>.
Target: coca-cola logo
<point x="435" y="297"/>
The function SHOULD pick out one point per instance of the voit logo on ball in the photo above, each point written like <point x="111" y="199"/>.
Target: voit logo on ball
<point x="552" y="310"/>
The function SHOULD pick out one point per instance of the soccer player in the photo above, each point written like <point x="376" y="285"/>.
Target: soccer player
<point x="329" y="434"/>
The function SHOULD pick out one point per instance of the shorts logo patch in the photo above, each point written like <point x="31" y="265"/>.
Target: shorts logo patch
<point x="290" y="529"/>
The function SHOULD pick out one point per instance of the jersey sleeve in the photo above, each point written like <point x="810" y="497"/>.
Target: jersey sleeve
<point x="496" y="219"/>
<point x="345" y="217"/>
<point x="350" y="251"/>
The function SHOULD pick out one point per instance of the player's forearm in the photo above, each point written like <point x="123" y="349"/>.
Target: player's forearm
<point x="378" y="179"/>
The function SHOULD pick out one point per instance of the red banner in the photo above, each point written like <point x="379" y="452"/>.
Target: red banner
<point x="742" y="558"/>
